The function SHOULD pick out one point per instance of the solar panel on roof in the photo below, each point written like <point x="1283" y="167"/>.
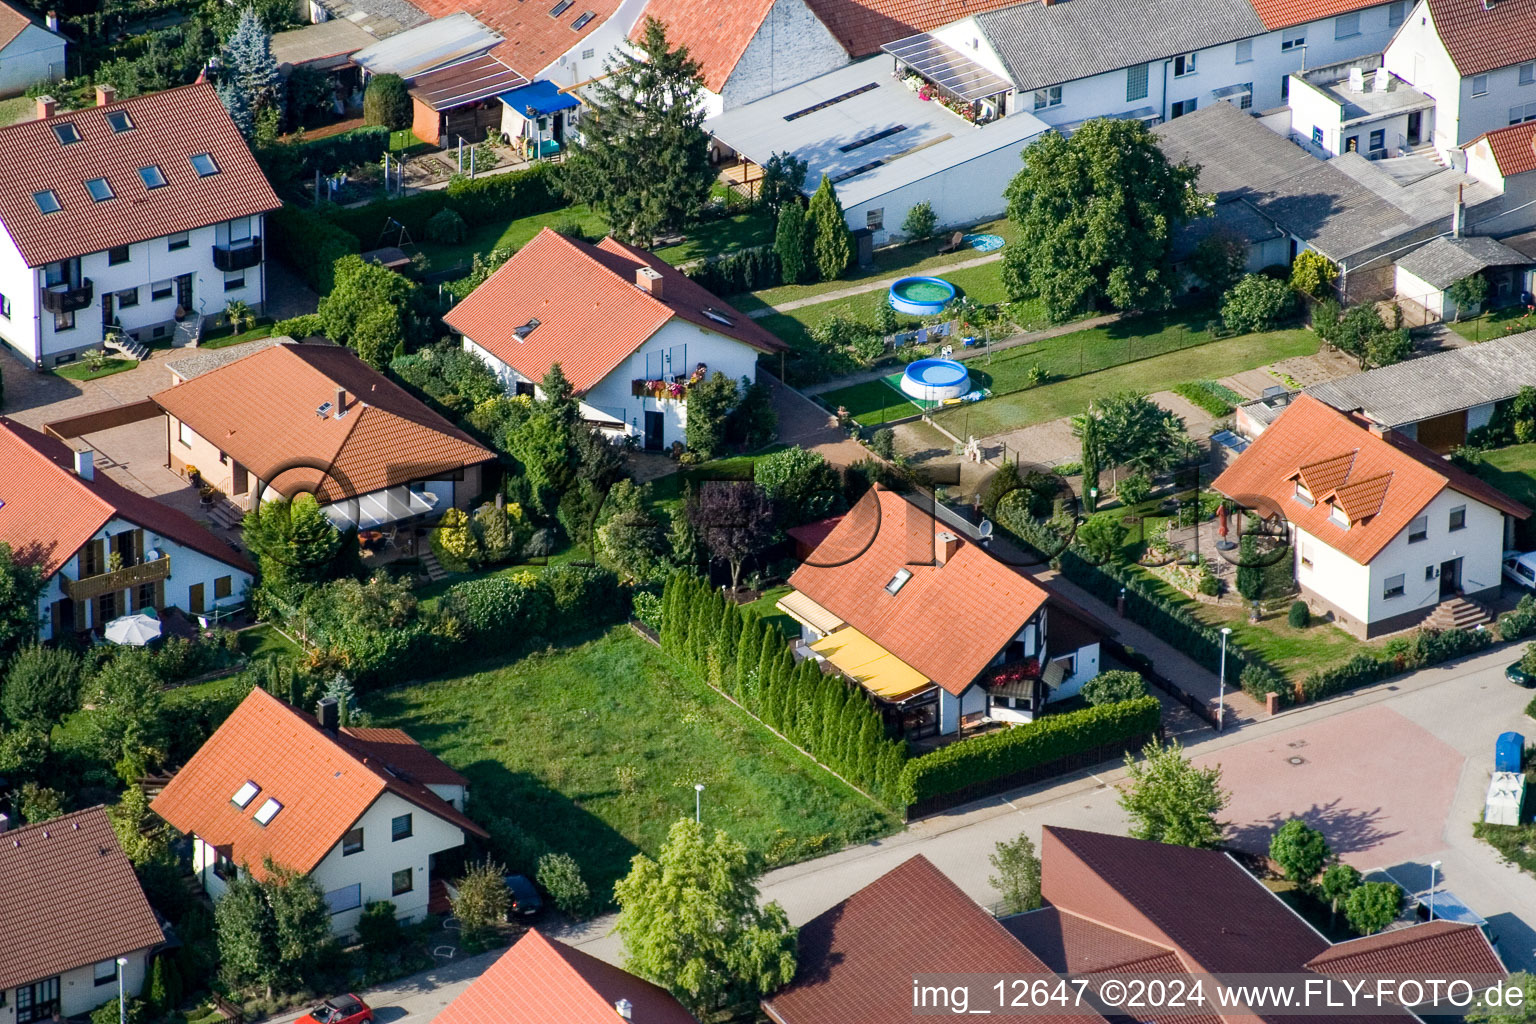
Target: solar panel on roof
<point x="947" y="67"/>
<point x="860" y="143"/>
<point x="850" y="94"/>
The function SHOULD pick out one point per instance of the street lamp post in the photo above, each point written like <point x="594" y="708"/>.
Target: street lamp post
<point x="122" y="1005"/>
<point x="1434" y="866"/>
<point x="698" y="801"/>
<point x="1221" y="691"/>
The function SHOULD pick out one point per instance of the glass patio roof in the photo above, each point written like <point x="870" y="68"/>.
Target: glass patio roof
<point x="946" y="66"/>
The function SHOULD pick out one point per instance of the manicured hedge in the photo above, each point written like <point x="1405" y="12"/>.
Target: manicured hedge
<point x="1426" y="647"/>
<point x="996" y="755"/>
<point x="737" y="272"/>
<point x="311" y="243"/>
<point x="492" y="198"/>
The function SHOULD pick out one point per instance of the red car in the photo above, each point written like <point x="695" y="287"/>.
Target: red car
<point x="347" y="1009"/>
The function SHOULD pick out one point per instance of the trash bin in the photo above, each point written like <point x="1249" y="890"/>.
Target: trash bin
<point x="1509" y="752"/>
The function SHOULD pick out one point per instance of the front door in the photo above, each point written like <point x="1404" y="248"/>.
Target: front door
<point x="653" y="428"/>
<point x="240" y="480"/>
<point x="1415" y="127"/>
<point x="195" y="603"/>
<point x="106" y="312"/>
<point x="184" y="292"/>
<point x="1450" y="577"/>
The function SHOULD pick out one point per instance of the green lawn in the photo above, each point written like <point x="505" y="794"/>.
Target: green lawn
<point x="220" y="337"/>
<point x="765" y="607"/>
<point x="516" y="234"/>
<point x="1293" y="653"/>
<point x="1513" y="471"/>
<point x="1494" y="324"/>
<point x="595" y="750"/>
<point x="81" y="371"/>
<point x="871" y="403"/>
<point x="1159" y="373"/>
<point x="667" y="491"/>
<point x="266" y="642"/>
<point x="17" y="108"/>
<point x="728" y="234"/>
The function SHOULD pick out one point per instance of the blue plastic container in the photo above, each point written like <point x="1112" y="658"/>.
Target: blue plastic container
<point x="1509" y="752"/>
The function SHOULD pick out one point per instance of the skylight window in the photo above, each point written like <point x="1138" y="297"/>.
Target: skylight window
<point x="718" y="317"/>
<point x="47" y="201"/>
<point x="581" y="22"/>
<point x="561" y="7"/>
<point x="152" y="176"/>
<point x="99" y="189"/>
<point x="898" y="581"/>
<point x="267" y="811"/>
<point x="203" y="164"/>
<point x="120" y="121"/>
<point x="245" y="794"/>
<point x="66" y="132"/>
<point x="522" y="332"/>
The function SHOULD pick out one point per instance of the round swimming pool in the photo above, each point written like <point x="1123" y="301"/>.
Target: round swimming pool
<point x="921" y="296"/>
<point x="934" y="380"/>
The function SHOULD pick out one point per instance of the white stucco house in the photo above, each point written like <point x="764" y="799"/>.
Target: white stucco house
<point x="1383" y="531"/>
<point x="366" y="813"/>
<point x="144" y="215"/>
<point x="1477" y="59"/>
<point x="629" y="332"/>
<point x="942" y="634"/>
<point x="73" y="909"/>
<point x="29" y="52"/>
<point x="104" y="550"/>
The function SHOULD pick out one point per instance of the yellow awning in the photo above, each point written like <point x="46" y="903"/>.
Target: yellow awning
<point x="807" y="612"/>
<point x="872" y="666"/>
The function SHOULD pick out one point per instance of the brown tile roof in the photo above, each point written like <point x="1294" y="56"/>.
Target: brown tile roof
<point x="47" y="512"/>
<point x="540" y="980"/>
<point x="591" y="313"/>
<point x="396" y="749"/>
<point x="1067" y="943"/>
<point x="13" y="22"/>
<point x="857" y="959"/>
<point x="1437" y="947"/>
<point x="533" y="39"/>
<point x="716" y="35"/>
<point x="863" y="25"/>
<point x="260" y="410"/>
<point x="1514" y="148"/>
<point x="985" y="602"/>
<point x="170" y="128"/>
<point x="1480" y="38"/>
<point x="1387" y="483"/>
<point x="324" y="784"/>
<point x="69" y="898"/>
<point x="1284" y="13"/>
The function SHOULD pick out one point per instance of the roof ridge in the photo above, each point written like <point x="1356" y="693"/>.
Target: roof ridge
<point x="307" y="719"/>
<point x="54" y="467"/>
<point x="42" y="826"/>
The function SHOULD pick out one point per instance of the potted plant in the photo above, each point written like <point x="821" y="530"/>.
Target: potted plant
<point x="193" y="476"/>
<point x="205" y="494"/>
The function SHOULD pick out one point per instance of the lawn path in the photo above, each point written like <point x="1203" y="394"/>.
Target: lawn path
<point x="868" y="286"/>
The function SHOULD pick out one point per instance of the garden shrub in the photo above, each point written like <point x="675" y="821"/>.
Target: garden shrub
<point x="1051" y="738"/>
<point x="1256" y="303"/>
<point x="311" y="243"/>
<point x="1114" y="686"/>
<point x="510" y="609"/>
<point x="299" y="327"/>
<point x="454" y="543"/>
<point x="560" y="876"/>
<point x="377" y="927"/>
<point x="1133" y="489"/>
<point x="488" y="199"/>
<point x="584" y="596"/>
<point x="387" y="102"/>
<point x="445" y="227"/>
<point x="1521" y="622"/>
<point x="648" y="608"/>
<point x="1300" y="616"/>
<point x="883" y="443"/>
<point x="735" y="272"/>
<point x="1530" y="709"/>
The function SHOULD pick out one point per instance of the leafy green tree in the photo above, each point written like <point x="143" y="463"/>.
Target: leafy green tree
<point x="598" y="467"/>
<point x="545" y="445"/>
<point x="482" y="899"/>
<point x="1169" y="800"/>
<point x="1018" y="874"/>
<point x="1337" y="882"/>
<point x="1114" y="686"/>
<point x="753" y="422"/>
<point x="634" y="542"/>
<point x="560" y="876"/>
<point x="734" y="519"/>
<point x="378" y="335"/>
<point x="920" y="222"/>
<point x="801" y="483"/>
<point x="643" y="158"/>
<point x="1102" y="537"/>
<point x="246" y="63"/>
<point x="1132" y="430"/>
<point x="1508" y="1010"/>
<point x="294" y="545"/>
<point x="1371" y="906"/>
<point x="1468" y="293"/>
<point x="1300" y="850"/>
<point x="691" y="923"/>
<point x="301" y="923"/>
<point x="1256" y="303"/>
<point x="1133" y="489"/>
<point x="783" y="182"/>
<point x="1097" y="213"/>
<point x="20" y="586"/>
<point x="387" y="102"/>
<point x="128" y="725"/>
<point x="41" y="686"/>
<point x="1218" y="261"/>
<point x="789" y="243"/>
<point x="831" y="241"/>
<point x="1312" y="273"/>
<point x="710" y="402"/>
<point x="246" y="934"/>
<point x="39" y="803"/>
<point x="1250" y="575"/>
<point x="139" y="832"/>
<point x="365" y="309"/>
<point x="1092" y="447"/>
<point x="1388" y="347"/>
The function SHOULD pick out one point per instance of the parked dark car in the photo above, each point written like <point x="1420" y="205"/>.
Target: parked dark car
<point x="1519" y="676"/>
<point x="523" y="899"/>
<point x="347" y="1009"/>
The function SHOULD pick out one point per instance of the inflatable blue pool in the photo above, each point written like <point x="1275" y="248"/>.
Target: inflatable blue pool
<point x="921" y="296"/>
<point x="935" y="380"/>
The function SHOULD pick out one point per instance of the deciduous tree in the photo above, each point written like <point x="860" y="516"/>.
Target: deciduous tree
<point x="1018" y="874"/>
<point x="1218" y="261"/>
<point x="734" y="519"/>
<point x="366" y="308"/>
<point x="1371" y="906"/>
<point x="1256" y="303"/>
<point x="41" y="685"/>
<point x="1300" y="850"/>
<point x="1468" y="293"/>
<point x="20" y="586"/>
<point x="1312" y="273"/>
<point x="482" y="900"/>
<point x="783" y="182"/>
<point x="1169" y="800"/>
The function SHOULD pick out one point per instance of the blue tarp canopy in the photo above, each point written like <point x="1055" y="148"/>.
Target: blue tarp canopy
<point x="1508" y="751"/>
<point x="538" y="99"/>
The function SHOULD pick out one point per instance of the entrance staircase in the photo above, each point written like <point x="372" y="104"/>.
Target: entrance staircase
<point x="1458" y="613"/>
<point x="189" y="331"/>
<point x="226" y="513"/>
<point x="127" y="346"/>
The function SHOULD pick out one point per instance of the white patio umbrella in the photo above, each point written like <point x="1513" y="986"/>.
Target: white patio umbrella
<point x="133" y="630"/>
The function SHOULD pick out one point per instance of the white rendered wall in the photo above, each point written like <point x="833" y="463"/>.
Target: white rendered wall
<point x="791" y="46"/>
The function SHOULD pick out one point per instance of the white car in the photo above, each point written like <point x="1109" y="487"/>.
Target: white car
<point x="1521" y="568"/>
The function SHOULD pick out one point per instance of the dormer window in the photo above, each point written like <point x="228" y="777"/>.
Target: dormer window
<point x="245" y="794"/>
<point x="267" y="811"/>
<point x="1337" y="516"/>
<point x="1303" y="495"/>
<point x="66" y="132"/>
<point x="204" y="165"/>
<point x="120" y="121"/>
<point x="898" y="581"/>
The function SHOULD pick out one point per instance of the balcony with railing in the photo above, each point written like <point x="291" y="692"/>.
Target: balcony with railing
<point x="237" y="257"/>
<point x="126" y="578"/>
<point x="67" y="298"/>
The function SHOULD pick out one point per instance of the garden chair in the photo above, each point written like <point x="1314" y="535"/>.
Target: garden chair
<point x="956" y="240"/>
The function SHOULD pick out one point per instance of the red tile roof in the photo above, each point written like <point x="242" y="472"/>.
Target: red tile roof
<point x="1514" y="148"/>
<point x="407" y="756"/>
<point x="261" y="411"/>
<point x="716" y="35"/>
<point x="1438" y="947"/>
<point x="857" y="960"/>
<point x="1285" y="13"/>
<point x="69" y="898"/>
<point x="170" y="128"/>
<point x="533" y="39"/>
<point x="1071" y="944"/>
<point x="323" y="782"/>
<point x="984" y="602"/>
<point x="1382" y="484"/>
<point x="12" y="23"/>
<point x="863" y="25"/>
<point x="540" y="980"/>
<point x="47" y="512"/>
<point x="1480" y="38"/>
<point x="591" y="312"/>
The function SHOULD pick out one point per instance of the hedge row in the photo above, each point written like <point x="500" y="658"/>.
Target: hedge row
<point x="736" y="272"/>
<point x="746" y="657"/>
<point x="484" y="200"/>
<point x="1050" y="738"/>
<point x="311" y="243"/>
<point x="1426" y="647"/>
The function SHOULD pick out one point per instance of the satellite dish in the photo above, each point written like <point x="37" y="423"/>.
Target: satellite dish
<point x="984" y="531"/>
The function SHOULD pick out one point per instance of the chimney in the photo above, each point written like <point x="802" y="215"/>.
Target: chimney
<point x="1459" y="213"/>
<point x="85" y="464"/>
<point x="5" y="822"/>
<point x="329" y="714"/>
<point x="53" y="21"/>
<point x="341" y="402"/>
<point x="625" y="1008"/>
<point x="1382" y="431"/>
<point x="648" y="280"/>
<point x="105" y="94"/>
<point x="945" y="546"/>
<point x="45" y="107"/>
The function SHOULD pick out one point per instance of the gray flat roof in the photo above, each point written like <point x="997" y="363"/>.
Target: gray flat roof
<point x="335" y="38"/>
<point x="1437" y="384"/>
<point x="1369" y="103"/>
<point x="420" y="49"/>
<point x="1444" y="261"/>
